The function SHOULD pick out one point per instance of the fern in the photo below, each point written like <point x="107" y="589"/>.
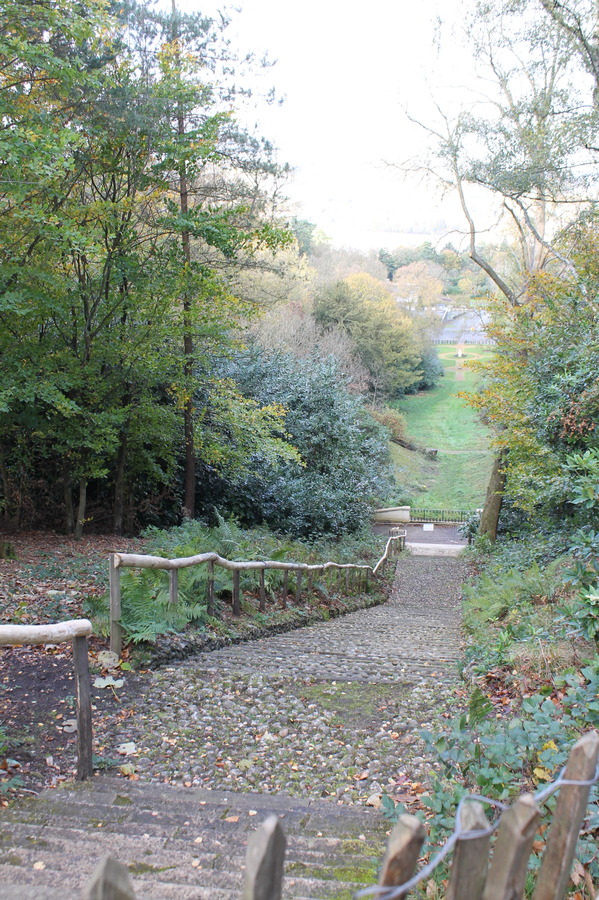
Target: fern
<point x="147" y="611"/>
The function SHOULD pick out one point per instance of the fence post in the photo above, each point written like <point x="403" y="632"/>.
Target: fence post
<point x="285" y="587"/>
<point x="173" y="585"/>
<point x="110" y="881"/>
<point x="298" y="585"/>
<point x="85" y="768"/>
<point x="264" y="862"/>
<point x="471" y="857"/>
<point x="262" y="592"/>
<point x="554" y="874"/>
<point x="403" y="850"/>
<point x="236" y="598"/>
<point x="114" y="576"/>
<point x="310" y="581"/>
<point x="210" y="589"/>
<point x="517" y="829"/>
<point x="347" y="581"/>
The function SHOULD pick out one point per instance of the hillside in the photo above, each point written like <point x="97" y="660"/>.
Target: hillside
<point x="442" y="420"/>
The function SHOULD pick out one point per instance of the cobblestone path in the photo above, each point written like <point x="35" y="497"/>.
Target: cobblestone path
<point x="309" y="725"/>
<point x="329" y="710"/>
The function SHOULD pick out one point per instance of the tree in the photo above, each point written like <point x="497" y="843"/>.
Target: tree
<point x="532" y="150"/>
<point x="384" y="337"/>
<point x="98" y="292"/>
<point x="343" y="471"/>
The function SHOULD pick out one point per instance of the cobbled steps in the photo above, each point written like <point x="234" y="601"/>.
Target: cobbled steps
<point x="179" y="843"/>
<point x="189" y="843"/>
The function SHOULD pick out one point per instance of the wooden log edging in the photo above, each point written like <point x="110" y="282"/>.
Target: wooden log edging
<point x="78" y="631"/>
<point x="118" y="561"/>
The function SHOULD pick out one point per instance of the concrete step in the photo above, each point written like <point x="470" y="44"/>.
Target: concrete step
<point x="180" y="843"/>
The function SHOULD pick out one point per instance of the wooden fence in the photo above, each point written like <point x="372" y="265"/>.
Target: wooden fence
<point x="77" y="631"/>
<point x="475" y="873"/>
<point x="118" y="561"/>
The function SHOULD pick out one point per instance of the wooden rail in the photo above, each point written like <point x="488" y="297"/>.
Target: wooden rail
<point x="77" y="631"/>
<point x="118" y="561"/>
<point x="475" y="874"/>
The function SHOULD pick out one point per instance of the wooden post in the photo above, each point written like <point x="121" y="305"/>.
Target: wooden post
<point x="264" y="862"/>
<point x="403" y="850"/>
<point x="471" y="856"/>
<point x="262" y="592"/>
<point x="298" y="585"/>
<point x="554" y="874"/>
<point x="210" y="589"/>
<point x="347" y="581"/>
<point x="84" y="709"/>
<point x="310" y="581"/>
<point x="110" y="881"/>
<point x="236" y="592"/>
<point x="173" y="585"/>
<point x="114" y="577"/>
<point x="517" y="829"/>
<point x="285" y="588"/>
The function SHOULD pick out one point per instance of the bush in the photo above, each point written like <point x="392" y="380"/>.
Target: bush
<point x="344" y="471"/>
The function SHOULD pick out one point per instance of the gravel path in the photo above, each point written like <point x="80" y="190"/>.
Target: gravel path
<point x="331" y="710"/>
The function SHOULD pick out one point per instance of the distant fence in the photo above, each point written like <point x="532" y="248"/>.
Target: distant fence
<point x="466" y="339"/>
<point x="118" y="561"/>
<point x="441" y="516"/>
<point x="475" y="873"/>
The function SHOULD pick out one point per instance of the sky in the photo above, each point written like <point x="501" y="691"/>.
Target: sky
<point x="346" y="73"/>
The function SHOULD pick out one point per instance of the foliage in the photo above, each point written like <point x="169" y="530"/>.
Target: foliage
<point x="107" y="329"/>
<point x="146" y="611"/>
<point x="343" y="469"/>
<point x="391" y="419"/>
<point x="384" y="336"/>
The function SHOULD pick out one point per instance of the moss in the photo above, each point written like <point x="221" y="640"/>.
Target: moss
<point x="122" y="800"/>
<point x="357" y="874"/>
<point x="11" y="860"/>
<point x="142" y="868"/>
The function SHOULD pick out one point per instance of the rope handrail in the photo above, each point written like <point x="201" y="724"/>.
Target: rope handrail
<point x="386" y="893"/>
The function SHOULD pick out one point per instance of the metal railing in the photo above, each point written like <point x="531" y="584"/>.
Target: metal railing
<point x="440" y="516"/>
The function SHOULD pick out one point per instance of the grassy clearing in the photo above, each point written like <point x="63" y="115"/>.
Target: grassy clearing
<point x="441" y="419"/>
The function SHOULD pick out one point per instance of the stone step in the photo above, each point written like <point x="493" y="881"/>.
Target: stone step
<point x="54" y="842"/>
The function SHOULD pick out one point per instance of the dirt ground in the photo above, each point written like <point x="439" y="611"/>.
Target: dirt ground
<point x="51" y="579"/>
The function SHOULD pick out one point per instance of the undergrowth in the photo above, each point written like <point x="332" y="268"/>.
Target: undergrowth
<point x="146" y="611"/>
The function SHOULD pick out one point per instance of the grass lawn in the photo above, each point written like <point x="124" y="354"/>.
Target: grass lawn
<point x="441" y="419"/>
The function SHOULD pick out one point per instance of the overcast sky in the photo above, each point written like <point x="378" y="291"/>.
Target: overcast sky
<point x="345" y="73"/>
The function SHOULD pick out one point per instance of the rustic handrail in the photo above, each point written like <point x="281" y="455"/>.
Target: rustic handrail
<point x="118" y="561"/>
<point x="77" y="631"/>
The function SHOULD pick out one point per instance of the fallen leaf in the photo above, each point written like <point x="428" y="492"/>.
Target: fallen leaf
<point x="39" y="865"/>
<point x="232" y="819"/>
<point x="127" y="748"/>
<point x="109" y="681"/>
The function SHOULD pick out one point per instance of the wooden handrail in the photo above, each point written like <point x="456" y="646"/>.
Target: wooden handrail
<point x="118" y="561"/>
<point x="45" y="634"/>
<point x="77" y="631"/>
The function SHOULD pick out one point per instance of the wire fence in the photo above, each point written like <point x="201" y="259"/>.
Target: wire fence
<point x="460" y="834"/>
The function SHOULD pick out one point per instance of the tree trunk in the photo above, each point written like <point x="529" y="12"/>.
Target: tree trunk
<point x="489" y="519"/>
<point x="119" y="487"/>
<point x="190" y="457"/>
<point x="81" y="508"/>
<point x="69" y="512"/>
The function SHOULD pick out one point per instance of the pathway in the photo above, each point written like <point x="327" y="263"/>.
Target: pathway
<point x="315" y="722"/>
